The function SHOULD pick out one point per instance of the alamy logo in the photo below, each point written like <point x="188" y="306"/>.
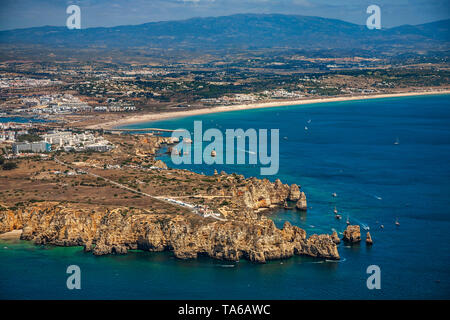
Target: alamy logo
<point x="74" y="280"/>
<point x="74" y="20"/>
<point x="257" y="151"/>
<point x="374" y="280"/>
<point x="374" y="20"/>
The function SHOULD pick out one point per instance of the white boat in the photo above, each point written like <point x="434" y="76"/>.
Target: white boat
<point x="306" y="128"/>
<point x="397" y="141"/>
<point x="335" y="210"/>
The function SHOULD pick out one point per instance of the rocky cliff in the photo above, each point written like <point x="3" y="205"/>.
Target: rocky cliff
<point x="263" y="194"/>
<point x="104" y="231"/>
<point x="352" y="234"/>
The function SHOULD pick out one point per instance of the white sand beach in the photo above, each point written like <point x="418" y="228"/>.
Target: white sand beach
<point x="186" y="113"/>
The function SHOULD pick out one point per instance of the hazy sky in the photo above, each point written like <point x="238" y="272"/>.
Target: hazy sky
<point x="96" y="13"/>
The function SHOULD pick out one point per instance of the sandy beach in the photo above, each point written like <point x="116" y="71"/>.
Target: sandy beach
<point x="186" y="113"/>
<point x="11" y="235"/>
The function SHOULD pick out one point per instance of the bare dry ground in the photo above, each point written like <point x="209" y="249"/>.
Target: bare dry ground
<point x="45" y="179"/>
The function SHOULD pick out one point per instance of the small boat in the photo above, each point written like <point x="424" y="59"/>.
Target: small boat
<point x="382" y="226"/>
<point x="213" y="153"/>
<point x="335" y="210"/>
<point x="397" y="223"/>
<point x="397" y="141"/>
<point x="348" y="221"/>
<point x="306" y="128"/>
<point x="309" y="121"/>
<point x="334" y="194"/>
<point x="338" y="216"/>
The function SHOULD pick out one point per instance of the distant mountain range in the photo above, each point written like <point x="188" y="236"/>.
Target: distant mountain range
<point x="241" y="31"/>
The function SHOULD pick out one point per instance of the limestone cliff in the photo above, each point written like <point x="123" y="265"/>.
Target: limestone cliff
<point x="301" y="203"/>
<point x="265" y="194"/>
<point x="119" y="230"/>
<point x="294" y="193"/>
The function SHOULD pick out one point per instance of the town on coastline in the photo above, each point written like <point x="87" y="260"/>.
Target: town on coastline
<point x="59" y="159"/>
<point x="91" y="92"/>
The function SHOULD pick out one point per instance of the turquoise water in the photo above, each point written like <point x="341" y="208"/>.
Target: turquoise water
<point x="348" y="149"/>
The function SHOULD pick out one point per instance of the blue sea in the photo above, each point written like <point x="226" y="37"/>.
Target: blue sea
<point x="21" y="119"/>
<point x="349" y="150"/>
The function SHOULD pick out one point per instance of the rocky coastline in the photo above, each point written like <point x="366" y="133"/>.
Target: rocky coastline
<point x="246" y="234"/>
<point x="120" y="220"/>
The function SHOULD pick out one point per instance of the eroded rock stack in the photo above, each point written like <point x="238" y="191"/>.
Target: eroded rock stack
<point x="301" y="203"/>
<point x="335" y="237"/>
<point x="369" y="239"/>
<point x="352" y="234"/>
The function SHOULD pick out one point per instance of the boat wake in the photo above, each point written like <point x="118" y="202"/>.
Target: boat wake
<point x="227" y="265"/>
<point x="327" y="260"/>
<point x="365" y="226"/>
<point x="336" y="261"/>
<point x="247" y="151"/>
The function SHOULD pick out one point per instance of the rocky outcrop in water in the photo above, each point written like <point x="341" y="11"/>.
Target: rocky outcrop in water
<point x="369" y="240"/>
<point x="352" y="234"/>
<point x="301" y="203"/>
<point x="117" y="231"/>
<point x="335" y="237"/>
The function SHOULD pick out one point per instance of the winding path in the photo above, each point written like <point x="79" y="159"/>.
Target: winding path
<point x="166" y="200"/>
